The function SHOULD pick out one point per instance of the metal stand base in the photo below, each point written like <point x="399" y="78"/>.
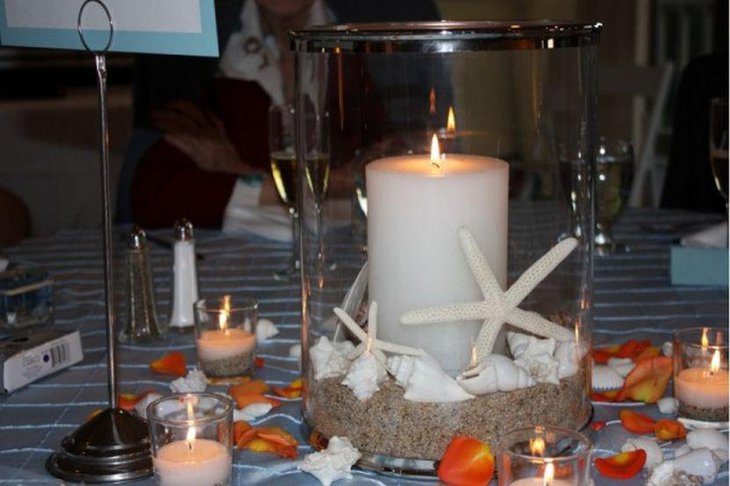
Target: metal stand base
<point x="114" y="446"/>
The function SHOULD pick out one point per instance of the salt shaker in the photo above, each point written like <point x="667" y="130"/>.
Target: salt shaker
<point x="185" y="278"/>
<point x="141" y="323"/>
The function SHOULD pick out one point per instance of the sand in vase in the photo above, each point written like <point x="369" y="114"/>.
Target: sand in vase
<point x="388" y="424"/>
<point x="233" y="366"/>
<point x="703" y="414"/>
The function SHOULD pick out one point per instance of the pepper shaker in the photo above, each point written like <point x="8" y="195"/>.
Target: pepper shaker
<point x="185" y="278"/>
<point x="141" y="324"/>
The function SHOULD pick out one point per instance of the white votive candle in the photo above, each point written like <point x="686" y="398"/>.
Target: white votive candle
<point x="415" y="210"/>
<point x="227" y="343"/>
<point x="698" y="387"/>
<point x="200" y="462"/>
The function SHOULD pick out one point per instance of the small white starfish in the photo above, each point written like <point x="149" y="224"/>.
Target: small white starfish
<point x="499" y="307"/>
<point x="369" y="341"/>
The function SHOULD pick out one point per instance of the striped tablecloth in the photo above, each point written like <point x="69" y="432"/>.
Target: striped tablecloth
<point x="633" y="299"/>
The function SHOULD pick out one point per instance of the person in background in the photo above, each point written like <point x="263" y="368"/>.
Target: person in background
<point x="15" y="222"/>
<point x="214" y="115"/>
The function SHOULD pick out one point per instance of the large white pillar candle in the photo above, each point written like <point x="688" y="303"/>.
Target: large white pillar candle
<point x="415" y="210"/>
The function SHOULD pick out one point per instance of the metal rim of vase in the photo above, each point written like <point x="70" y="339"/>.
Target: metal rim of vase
<point x="444" y="36"/>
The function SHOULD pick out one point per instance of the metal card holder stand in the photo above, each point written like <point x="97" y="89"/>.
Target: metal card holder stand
<point x="114" y="445"/>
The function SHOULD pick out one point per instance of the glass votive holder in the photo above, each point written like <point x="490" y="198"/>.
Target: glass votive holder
<point x="701" y="376"/>
<point x="191" y="435"/>
<point x="225" y="334"/>
<point x="542" y="456"/>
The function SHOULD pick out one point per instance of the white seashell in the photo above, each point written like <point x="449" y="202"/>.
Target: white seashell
<point x="295" y="351"/>
<point x="654" y="455"/>
<point x="141" y="406"/>
<point x="333" y="463"/>
<point x="721" y="455"/>
<point x="622" y="365"/>
<point x="265" y="329"/>
<point x="667" y="474"/>
<point x="543" y="368"/>
<point x="424" y="380"/>
<point x="667" y="405"/>
<point x="710" y="438"/>
<point x="522" y="345"/>
<point x="667" y="349"/>
<point x="606" y="378"/>
<point x="479" y="380"/>
<point x="567" y="356"/>
<point x="364" y="376"/>
<point x="682" y="450"/>
<point x="194" y="381"/>
<point x="252" y="412"/>
<point x="328" y="359"/>
<point x="699" y="462"/>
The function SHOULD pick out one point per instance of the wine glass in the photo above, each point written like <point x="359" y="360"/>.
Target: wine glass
<point x="284" y="172"/>
<point x="719" y="145"/>
<point x="613" y="177"/>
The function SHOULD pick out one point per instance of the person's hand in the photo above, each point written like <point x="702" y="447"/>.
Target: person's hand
<point x="201" y="136"/>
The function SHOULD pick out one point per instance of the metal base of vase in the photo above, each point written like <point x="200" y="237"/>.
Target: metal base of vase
<point x="113" y="446"/>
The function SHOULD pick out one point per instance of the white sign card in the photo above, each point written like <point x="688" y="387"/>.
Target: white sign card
<point x="184" y="27"/>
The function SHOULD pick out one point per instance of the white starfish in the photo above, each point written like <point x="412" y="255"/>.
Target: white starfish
<point x="499" y="307"/>
<point x="369" y="341"/>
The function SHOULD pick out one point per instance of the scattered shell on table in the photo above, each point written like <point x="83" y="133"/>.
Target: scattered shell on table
<point x="710" y="438"/>
<point x="654" y="455"/>
<point x="667" y="474"/>
<point x="699" y="462"/>
<point x="333" y="463"/>
<point x="667" y="405"/>
<point x="606" y="378"/>
<point x="141" y="406"/>
<point x="667" y="349"/>
<point x="622" y="365"/>
<point x="682" y="450"/>
<point x="194" y="381"/>
<point x="364" y="376"/>
<point x="265" y="329"/>
<point x="424" y="380"/>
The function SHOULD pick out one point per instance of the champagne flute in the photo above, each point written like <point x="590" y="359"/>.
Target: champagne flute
<point x="613" y="177"/>
<point x="719" y="145"/>
<point x="284" y="172"/>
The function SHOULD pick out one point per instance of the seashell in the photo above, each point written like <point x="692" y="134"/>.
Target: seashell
<point x="194" y="381"/>
<point x="654" y="455"/>
<point x="479" y="380"/>
<point x="606" y="378"/>
<point x="622" y="365"/>
<point x="522" y="345"/>
<point x="699" y="462"/>
<point x="295" y="351"/>
<point x="567" y="356"/>
<point x="667" y="349"/>
<point x="721" y="455"/>
<point x="508" y="375"/>
<point x="667" y="405"/>
<point x="364" y="376"/>
<point x="328" y="359"/>
<point x="141" y="406"/>
<point x="543" y="368"/>
<point x="710" y="438"/>
<point x="424" y="380"/>
<point x="666" y="473"/>
<point x="682" y="450"/>
<point x="265" y="329"/>
<point x="333" y="463"/>
<point x="252" y="412"/>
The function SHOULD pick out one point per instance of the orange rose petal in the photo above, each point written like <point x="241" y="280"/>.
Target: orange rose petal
<point x="277" y="435"/>
<point x="239" y="427"/>
<point x="650" y="352"/>
<point x="247" y="399"/>
<point x="259" y="362"/>
<point x="636" y="422"/>
<point x="648" y="380"/>
<point x="263" y="445"/>
<point x="466" y="462"/>
<point x="294" y="390"/>
<point x="252" y="387"/>
<point x="170" y="364"/>
<point x="317" y="441"/>
<point x="666" y="429"/>
<point x="245" y="438"/>
<point x="622" y="466"/>
<point x="127" y="401"/>
<point x="607" y="396"/>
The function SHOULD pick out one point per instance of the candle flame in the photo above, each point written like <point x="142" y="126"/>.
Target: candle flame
<point x="705" y="340"/>
<point x="432" y="101"/>
<point x="451" y="121"/>
<point x="190" y="438"/>
<point x="537" y="446"/>
<point x="225" y="313"/>
<point x="435" y="152"/>
<point x="547" y="478"/>
<point x="716" y="362"/>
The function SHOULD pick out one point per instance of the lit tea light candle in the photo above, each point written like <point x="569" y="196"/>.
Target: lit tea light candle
<point x="192" y="462"/>
<point x="703" y="387"/>
<point x="226" y="351"/>
<point x="416" y="205"/>
<point x="547" y="479"/>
